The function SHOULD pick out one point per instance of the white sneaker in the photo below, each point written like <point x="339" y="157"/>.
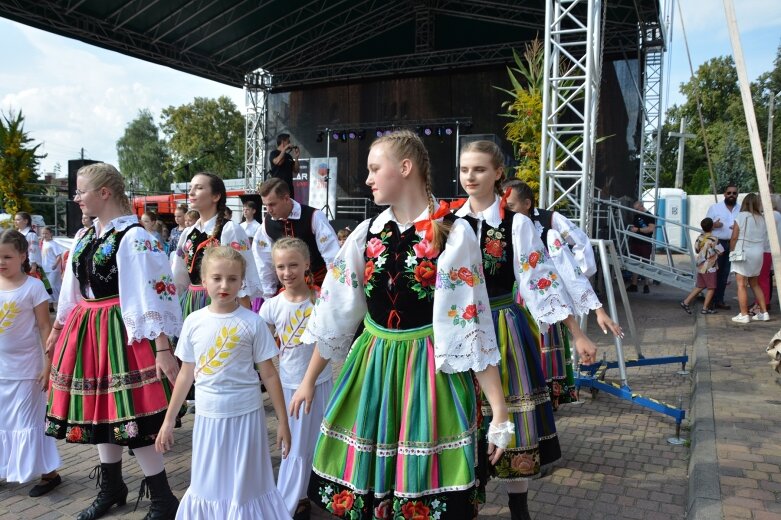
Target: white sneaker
<point x="761" y="316"/>
<point x="742" y="318"/>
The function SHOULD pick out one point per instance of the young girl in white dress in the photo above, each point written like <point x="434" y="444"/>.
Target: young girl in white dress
<point x="223" y="347"/>
<point x="51" y="259"/>
<point x="25" y="451"/>
<point x="287" y="314"/>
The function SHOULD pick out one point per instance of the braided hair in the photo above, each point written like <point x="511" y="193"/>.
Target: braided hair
<point x="217" y="187"/>
<point x="406" y="144"/>
<point x="18" y="240"/>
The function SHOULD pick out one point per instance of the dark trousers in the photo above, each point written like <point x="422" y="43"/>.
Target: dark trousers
<point x="723" y="274"/>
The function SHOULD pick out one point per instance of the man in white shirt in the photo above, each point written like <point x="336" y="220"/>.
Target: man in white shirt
<point x="250" y="225"/>
<point x="285" y="217"/>
<point x="723" y="215"/>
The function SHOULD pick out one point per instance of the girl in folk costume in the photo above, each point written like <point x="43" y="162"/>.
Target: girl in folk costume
<point x="25" y="451"/>
<point x="287" y="314"/>
<point x="571" y="252"/>
<point x="208" y="197"/>
<point x="513" y="254"/>
<point x="223" y="348"/>
<point x="51" y="261"/>
<point x="117" y="308"/>
<point x="399" y="433"/>
<point x="23" y="224"/>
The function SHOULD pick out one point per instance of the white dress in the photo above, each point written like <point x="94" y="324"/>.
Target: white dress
<point x="50" y="250"/>
<point x="232" y="477"/>
<point x="752" y="233"/>
<point x="26" y="452"/>
<point x="289" y="320"/>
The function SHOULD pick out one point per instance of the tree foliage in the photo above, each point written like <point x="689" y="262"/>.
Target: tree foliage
<point x="207" y="134"/>
<point x="142" y="155"/>
<point x="18" y="162"/>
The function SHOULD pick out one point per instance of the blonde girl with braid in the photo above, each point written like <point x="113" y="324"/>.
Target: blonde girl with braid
<point x="208" y="197"/>
<point x="399" y="432"/>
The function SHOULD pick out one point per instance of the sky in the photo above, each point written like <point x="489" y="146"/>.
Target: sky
<point x="75" y="95"/>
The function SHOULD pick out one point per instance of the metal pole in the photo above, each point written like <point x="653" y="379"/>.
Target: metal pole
<point x="679" y="169"/>
<point x="753" y="133"/>
<point x="769" y="147"/>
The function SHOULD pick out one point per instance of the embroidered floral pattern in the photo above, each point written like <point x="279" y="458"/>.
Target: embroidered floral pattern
<point x="148" y="245"/>
<point x="494" y="254"/>
<point x="344" y="504"/>
<point x="543" y="283"/>
<point x="52" y="429"/>
<point x="126" y="431"/>
<point x="457" y="277"/>
<point x="376" y="255"/>
<point x="463" y="315"/>
<point x="105" y="250"/>
<point x="76" y="434"/>
<point x="514" y="465"/>
<point x="421" y="268"/>
<point x="164" y="287"/>
<point x="419" y="509"/>
<point x="240" y="245"/>
<point x="531" y="260"/>
<point x="82" y="245"/>
<point x="344" y="274"/>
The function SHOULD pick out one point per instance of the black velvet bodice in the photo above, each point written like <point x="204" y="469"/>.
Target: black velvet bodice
<point x="400" y="276"/>
<point x="496" y="251"/>
<point x="194" y="247"/>
<point x="298" y="228"/>
<point x="94" y="263"/>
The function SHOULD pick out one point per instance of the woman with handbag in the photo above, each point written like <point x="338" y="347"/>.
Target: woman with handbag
<point x="746" y="252"/>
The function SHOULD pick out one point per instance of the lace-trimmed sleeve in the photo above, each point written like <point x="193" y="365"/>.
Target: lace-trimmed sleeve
<point x="147" y="293"/>
<point x="464" y="337"/>
<point x="538" y="280"/>
<point x="234" y="236"/>
<point x="581" y="294"/>
<point x="582" y="251"/>
<point x="342" y="302"/>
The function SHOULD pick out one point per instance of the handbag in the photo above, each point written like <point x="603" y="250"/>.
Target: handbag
<point x="739" y="254"/>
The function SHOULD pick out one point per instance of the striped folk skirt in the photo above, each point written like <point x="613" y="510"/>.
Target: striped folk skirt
<point x="102" y="389"/>
<point x="193" y="299"/>
<point x="536" y="443"/>
<point x="398" y="437"/>
<point x="556" y="358"/>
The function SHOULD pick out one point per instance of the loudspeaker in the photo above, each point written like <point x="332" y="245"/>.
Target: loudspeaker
<point x="73" y="214"/>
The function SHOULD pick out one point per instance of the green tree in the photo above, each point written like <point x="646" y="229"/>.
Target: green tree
<point x="142" y="156"/>
<point x="732" y="167"/>
<point x="18" y="162"/>
<point x="207" y="134"/>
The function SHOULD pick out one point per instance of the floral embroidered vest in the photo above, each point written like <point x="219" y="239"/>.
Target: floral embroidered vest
<point x="95" y="262"/>
<point x="194" y="248"/>
<point x="400" y="276"/>
<point x="496" y="248"/>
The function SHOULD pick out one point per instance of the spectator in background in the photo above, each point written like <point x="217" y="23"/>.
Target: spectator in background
<point x="723" y="215"/>
<point x="86" y="221"/>
<point x="150" y="222"/>
<point x="765" y="275"/>
<point x="173" y="238"/>
<point x="708" y="251"/>
<point x="284" y="161"/>
<point x="748" y="235"/>
<point x="191" y="217"/>
<point x="643" y="224"/>
<point x="342" y="235"/>
<point x="51" y="261"/>
<point x="249" y="223"/>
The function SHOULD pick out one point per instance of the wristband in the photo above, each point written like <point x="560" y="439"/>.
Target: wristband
<point x="163" y="350"/>
<point x="500" y="434"/>
<point x="56" y="328"/>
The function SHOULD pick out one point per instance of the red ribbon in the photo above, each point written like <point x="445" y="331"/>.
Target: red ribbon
<point x="457" y="204"/>
<point x="427" y="225"/>
<point x="503" y="202"/>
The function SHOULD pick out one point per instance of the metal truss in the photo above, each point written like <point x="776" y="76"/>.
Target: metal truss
<point x="652" y="51"/>
<point x="573" y="42"/>
<point x="256" y="90"/>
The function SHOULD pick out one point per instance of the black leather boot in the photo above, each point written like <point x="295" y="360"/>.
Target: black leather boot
<point x="519" y="509"/>
<point x="112" y="490"/>
<point x="164" y="503"/>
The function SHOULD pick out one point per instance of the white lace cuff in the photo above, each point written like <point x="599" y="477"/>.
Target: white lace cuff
<point x="588" y="302"/>
<point x="551" y="310"/>
<point x="474" y="352"/>
<point x="501" y="434"/>
<point x="330" y="344"/>
<point x="150" y="325"/>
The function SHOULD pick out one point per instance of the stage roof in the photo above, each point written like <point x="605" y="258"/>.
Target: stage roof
<point x="316" y="42"/>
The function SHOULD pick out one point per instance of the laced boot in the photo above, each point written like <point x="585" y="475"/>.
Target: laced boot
<point x="164" y="503"/>
<point x="519" y="508"/>
<point x="112" y="490"/>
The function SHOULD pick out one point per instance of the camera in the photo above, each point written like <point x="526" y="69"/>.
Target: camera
<point x="291" y="148"/>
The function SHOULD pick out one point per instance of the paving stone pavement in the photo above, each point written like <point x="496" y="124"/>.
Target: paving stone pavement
<point x="616" y="460"/>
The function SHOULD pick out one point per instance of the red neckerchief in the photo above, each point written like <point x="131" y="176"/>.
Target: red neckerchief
<point x="427" y="226"/>
<point x="503" y="202"/>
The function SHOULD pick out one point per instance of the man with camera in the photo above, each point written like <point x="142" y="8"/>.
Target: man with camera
<point x="284" y="161"/>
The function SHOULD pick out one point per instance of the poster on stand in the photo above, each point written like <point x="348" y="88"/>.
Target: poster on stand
<point x="322" y="184"/>
<point x="301" y="182"/>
